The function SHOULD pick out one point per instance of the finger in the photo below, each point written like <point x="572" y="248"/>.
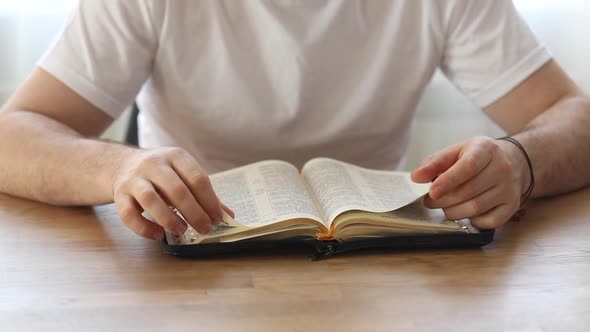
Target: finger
<point x="177" y="193"/>
<point x="227" y="210"/>
<point x="130" y="214"/>
<point x="470" y="163"/>
<point x="476" y="206"/>
<point x="436" y="164"/>
<point x="151" y="202"/>
<point x="495" y="217"/>
<point x="482" y="182"/>
<point x="198" y="183"/>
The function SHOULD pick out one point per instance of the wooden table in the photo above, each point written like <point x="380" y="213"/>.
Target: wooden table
<point x="81" y="270"/>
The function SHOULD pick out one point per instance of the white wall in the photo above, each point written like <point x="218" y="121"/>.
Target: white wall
<point x="26" y="29"/>
<point x="444" y="117"/>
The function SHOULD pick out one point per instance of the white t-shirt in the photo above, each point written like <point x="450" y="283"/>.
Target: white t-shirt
<point x="235" y="82"/>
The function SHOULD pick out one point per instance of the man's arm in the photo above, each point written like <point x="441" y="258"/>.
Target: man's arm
<point x="42" y="147"/>
<point x="550" y="116"/>
<point x="483" y="179"/>
<point x="47" y="154"/>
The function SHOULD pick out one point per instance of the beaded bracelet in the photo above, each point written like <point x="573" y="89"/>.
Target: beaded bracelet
<point x="529" y="190"/>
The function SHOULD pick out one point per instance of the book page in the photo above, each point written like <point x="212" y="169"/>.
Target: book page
<point x="339" y="187"/>
<point x="265" y="193"/>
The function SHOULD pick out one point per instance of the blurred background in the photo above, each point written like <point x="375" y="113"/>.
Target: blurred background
<point x="27" y="28"/>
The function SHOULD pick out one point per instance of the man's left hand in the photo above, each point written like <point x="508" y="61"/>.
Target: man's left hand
<point x="481" y="179"/>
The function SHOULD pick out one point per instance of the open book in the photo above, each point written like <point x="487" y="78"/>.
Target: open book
<point x="329" y="200"/>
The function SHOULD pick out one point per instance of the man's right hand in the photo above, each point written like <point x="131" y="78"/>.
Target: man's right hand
<point x="157" y="179"/>
<point x="45" y="123"/>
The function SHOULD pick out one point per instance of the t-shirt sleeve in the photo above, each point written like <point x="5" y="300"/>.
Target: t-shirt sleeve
<point x="105" y="52"/>
<point x="489" y="49"/>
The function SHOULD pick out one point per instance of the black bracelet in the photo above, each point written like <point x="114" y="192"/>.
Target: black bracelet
<point x="529" y="190"/>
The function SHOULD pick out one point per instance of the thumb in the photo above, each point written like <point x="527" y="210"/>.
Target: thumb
<point x="436" y="164"/>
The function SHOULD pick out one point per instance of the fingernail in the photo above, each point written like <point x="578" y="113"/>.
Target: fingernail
<point x="216" y="220"/>
<point x="205" y="229"/>
<point x="180" y="229"/>
<point x="434" y="193"/>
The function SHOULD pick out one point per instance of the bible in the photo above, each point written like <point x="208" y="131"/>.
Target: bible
<point x="330" y="205"/>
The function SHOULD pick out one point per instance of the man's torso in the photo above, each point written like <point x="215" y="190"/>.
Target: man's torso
<point x="235" y="82"/>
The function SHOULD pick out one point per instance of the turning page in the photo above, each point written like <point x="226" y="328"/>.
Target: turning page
<point x="338" y="187"/>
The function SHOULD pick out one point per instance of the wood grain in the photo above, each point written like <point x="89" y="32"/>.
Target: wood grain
<point x="80" y="270"/>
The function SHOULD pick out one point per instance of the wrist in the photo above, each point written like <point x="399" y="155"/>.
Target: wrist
<point x="113" y="156"/>
<point x="522" y="165"/>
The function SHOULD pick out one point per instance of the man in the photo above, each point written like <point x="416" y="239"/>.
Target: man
<point x="231" y="82"/>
